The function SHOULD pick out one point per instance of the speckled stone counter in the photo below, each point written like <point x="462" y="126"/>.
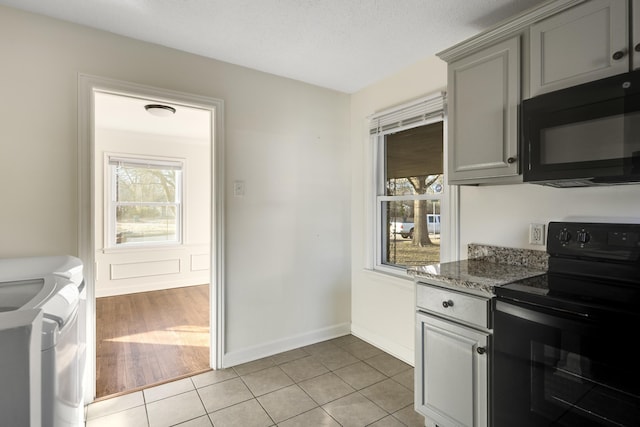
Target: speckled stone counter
<point x="538" y="260"/>
<point x="486" y="268"/>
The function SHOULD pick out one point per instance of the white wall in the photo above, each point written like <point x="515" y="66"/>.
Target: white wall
<point x="500" y="215"/>
<point x="382" y="309"/>
<point x="287" y="241"/>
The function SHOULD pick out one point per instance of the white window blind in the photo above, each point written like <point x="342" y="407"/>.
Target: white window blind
<point x="415" y="113"/>
<point x="142" y="163"/>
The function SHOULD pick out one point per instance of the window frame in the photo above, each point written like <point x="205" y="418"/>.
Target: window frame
<point x="420" y="112"/>
<point x="111" y="205"/>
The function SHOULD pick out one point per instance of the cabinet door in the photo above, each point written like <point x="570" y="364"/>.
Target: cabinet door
<point x="484" y="92"/>
<point x="451" y="386"/>
<point x="579" y="45"/>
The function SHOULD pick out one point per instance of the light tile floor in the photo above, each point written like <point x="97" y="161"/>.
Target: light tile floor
<point x="341" y="382"/>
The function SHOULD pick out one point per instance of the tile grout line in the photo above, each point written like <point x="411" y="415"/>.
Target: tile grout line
<point x="206" y="414"/>
<point x="146" y="409"/>
<point x="255" y="397"/>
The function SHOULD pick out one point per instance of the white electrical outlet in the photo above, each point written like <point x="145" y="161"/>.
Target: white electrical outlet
<point x="536" y="234"/>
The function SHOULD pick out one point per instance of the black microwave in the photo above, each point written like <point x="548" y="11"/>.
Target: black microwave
<point x="585" y="135"/>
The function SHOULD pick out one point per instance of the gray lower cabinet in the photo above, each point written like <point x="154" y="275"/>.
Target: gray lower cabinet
<point x="484" y="94"/>
<point x="452" y="361"/>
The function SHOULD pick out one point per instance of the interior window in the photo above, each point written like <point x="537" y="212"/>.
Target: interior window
<point x="145" y="202"/>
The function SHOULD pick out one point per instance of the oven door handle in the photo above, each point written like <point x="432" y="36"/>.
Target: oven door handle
<point x="544" y="315"/>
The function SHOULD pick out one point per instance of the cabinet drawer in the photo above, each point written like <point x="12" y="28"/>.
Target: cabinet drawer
<point x="455" y="305"/>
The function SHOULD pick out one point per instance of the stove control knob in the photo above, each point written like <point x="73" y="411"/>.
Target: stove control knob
<point x="564" y="236"/>
<point x="583" y="237"/>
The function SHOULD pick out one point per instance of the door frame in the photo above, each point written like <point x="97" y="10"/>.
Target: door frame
<point x="87" y="85"/>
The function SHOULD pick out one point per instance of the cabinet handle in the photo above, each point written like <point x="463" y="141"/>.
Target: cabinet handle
<point x="446" y="304"/>
<point x="481" y="350"/>
<point x="511" y="160"/>
<point x="618" y="55"/>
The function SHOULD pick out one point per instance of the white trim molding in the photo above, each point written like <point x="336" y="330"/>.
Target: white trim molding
<point x="422" y="111"/>
<point x="87" y="86"/>
<point x="405" y="354"/>
<point x="285" y="344"/>
<point x="506" y="29"/>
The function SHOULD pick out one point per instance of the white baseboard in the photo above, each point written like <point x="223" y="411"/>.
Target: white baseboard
<point x="146" y="287"/>
<point x="250" y="354"/>
<point x="393" y="348"/>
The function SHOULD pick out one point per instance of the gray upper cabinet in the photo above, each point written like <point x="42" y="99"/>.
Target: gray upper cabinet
<point x="484" y="93"/>
<point x="584" y="43"/>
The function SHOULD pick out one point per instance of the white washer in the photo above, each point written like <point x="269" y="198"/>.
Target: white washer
<point x="55" y="287"/>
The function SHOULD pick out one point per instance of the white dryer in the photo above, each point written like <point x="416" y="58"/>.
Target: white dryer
<point x="46" y="296"/>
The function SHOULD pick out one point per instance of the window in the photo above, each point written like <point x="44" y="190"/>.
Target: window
<point x="145" y="202"/>
<point x="409" y="184"/>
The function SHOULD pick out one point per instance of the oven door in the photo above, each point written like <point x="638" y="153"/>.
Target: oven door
<point x="554" y="368"/>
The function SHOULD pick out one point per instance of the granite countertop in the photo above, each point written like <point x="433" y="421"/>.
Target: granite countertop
<point x="486" y="268"/>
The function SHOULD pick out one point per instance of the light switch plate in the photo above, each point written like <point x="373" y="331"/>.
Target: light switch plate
<point x="238" y="188"/>
<point x="536" y="234"/>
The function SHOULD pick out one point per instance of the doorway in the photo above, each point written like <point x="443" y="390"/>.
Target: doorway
<point x="150" y="207"/>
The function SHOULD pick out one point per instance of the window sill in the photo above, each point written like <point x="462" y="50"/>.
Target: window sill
<point x="141" y="248"/>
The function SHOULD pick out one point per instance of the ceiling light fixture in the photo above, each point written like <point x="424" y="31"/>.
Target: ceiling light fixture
<point x="160" y="110"/>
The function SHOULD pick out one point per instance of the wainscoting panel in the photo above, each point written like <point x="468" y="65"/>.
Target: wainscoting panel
<point x="144" y="269"/>
<point x="200" y="262"/>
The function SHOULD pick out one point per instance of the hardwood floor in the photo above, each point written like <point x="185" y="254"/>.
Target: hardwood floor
<point x="149" y="338"/>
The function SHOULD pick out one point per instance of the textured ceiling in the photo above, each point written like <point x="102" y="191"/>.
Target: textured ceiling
<point x="339" y="44"/>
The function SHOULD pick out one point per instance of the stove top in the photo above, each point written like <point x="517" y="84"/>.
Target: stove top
<point x="575" y="294"/>
<point x="594" y="269"/>
<point x="603" y="242"/>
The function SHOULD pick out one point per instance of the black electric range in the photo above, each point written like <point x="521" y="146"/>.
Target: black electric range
<point x="564" y="342"/>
